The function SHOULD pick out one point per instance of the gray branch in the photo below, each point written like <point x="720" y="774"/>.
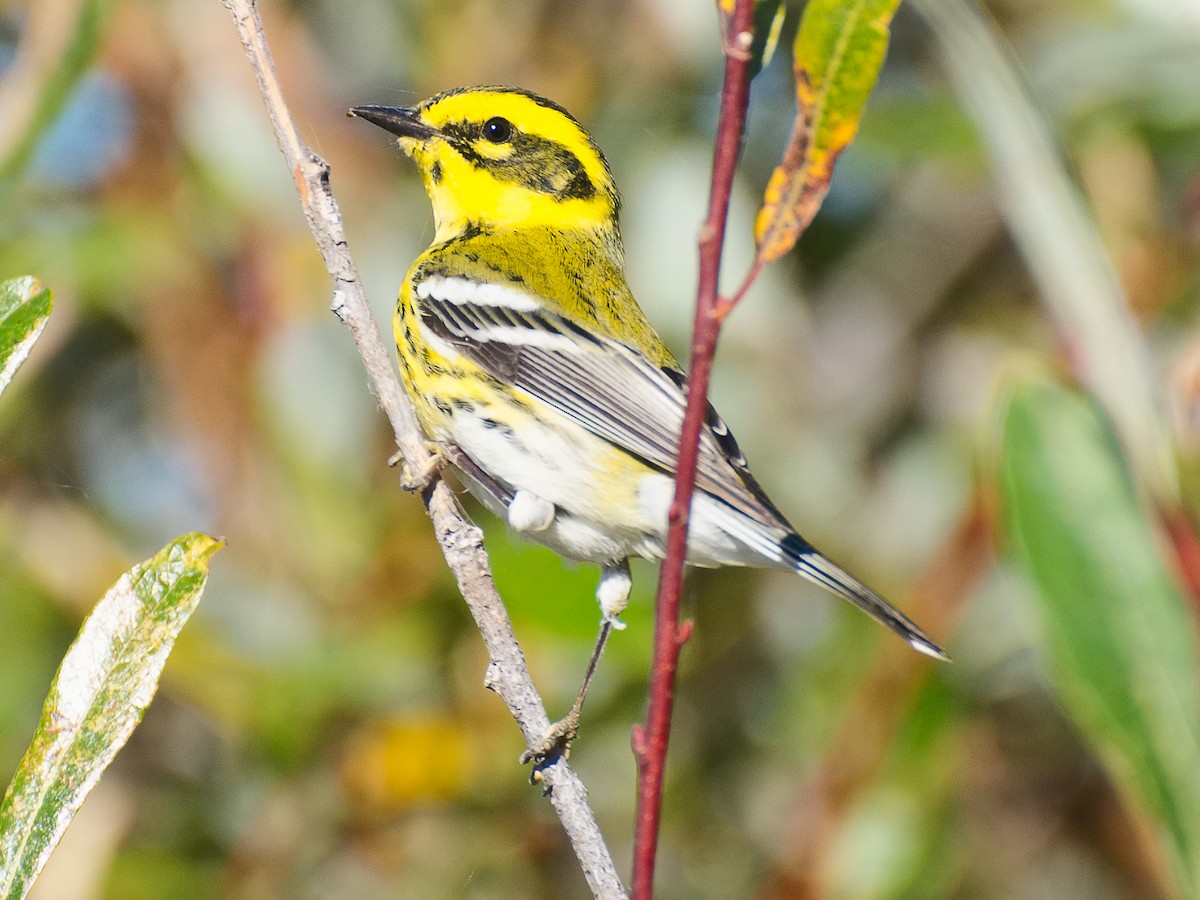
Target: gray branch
<point x="461" y="542"/>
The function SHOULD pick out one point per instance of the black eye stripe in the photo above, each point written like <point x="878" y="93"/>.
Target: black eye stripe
<point x="536" y="162"/>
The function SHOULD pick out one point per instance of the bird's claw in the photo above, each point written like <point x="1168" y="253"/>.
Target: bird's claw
<point x="556" y="742"/>
<point x="417" y="478"/>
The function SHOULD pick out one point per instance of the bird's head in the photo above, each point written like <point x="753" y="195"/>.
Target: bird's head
<point x="498" y="157"/>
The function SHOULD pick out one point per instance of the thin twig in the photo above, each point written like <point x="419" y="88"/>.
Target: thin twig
<point x="462" y="542"/>
<point x="650" y="743"/>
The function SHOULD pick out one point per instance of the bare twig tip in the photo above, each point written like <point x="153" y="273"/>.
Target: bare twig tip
<point x="684" y="633"/>
<point x="492" y="676"/>
<point x="637" y="740"/>
<point x="301" y="183"/>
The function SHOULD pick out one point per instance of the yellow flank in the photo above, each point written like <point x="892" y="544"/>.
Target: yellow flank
<point x="439" y="385"/>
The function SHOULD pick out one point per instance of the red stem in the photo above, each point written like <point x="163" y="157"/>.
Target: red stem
<point x="650" y="744"/>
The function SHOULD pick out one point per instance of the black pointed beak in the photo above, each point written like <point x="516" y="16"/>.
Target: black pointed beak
<point x="400" y="122"/>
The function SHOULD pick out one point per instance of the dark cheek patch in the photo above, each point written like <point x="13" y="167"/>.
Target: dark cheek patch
<point x="580" y="187"/>
<point x="552" y="167"/>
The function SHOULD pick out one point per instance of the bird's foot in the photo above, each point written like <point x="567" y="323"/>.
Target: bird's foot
<point x="556" y="742"/>
<point x="417" y="478"/>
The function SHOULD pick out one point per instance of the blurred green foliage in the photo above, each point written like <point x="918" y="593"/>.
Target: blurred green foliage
<point x="1119" y="629"/>
<point x="321" y="729"/>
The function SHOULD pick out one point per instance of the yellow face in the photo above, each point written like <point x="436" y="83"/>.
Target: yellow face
<point x="499" y="157"/>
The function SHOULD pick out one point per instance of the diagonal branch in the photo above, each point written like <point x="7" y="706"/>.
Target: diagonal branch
<point x="461" y="542"/>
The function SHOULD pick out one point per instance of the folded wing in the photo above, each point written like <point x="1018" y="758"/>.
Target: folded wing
<point x="599" y="383"/>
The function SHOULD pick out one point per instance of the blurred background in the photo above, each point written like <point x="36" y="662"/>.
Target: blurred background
<point x="322" y="729"/>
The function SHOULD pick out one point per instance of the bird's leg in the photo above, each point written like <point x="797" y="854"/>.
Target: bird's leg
<point x="613" y="594"/>
<point x="559" y="735"/>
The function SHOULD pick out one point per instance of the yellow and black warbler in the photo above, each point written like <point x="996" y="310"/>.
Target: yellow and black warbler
<point x="527" y="355"/>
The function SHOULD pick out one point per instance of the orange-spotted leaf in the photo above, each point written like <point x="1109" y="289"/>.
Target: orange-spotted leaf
<point x="840" y="47"/>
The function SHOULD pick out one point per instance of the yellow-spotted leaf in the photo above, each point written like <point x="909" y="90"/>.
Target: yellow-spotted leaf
<point x="839" y="50"/>
<point x="105" y="682"/>
<point x="24" y="308"/>
<point x="1120" y="635"/>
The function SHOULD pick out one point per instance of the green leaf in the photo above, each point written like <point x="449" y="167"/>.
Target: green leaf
<point x="105" y="683"/>
<point x="1122" y="640"/>
<point x="840" y="48"/>
<point x="24" y="308"/>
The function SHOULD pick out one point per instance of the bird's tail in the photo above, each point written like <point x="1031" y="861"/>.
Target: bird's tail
<point x="810" y="563"/>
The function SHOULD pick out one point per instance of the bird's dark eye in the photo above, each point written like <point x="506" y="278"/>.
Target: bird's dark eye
<point x="498" y="130"/>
